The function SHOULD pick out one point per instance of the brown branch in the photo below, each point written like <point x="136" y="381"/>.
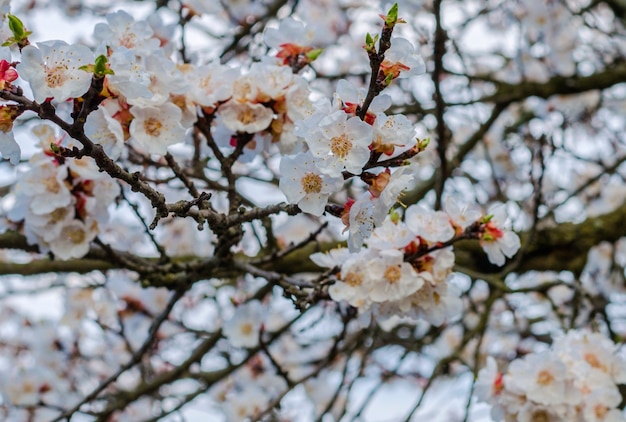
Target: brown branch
<point x="561" y="247"/>
<point x="440" y="105"/>
<point x="507" y="93"/>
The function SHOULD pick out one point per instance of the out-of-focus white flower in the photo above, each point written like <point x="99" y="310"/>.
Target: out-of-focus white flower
<point x="165" y="79"/>
<point x="398" y="182"/>
<point x="568" y="382"/>
<point x="46" y="186"/>
<point x="401" y="60"/>
<point x="9" y="148"/>
<point x="332" y="258"/>
<point x="355" y="282"/>
<point x="211" y="84"/>
<point x="489" y="383"/>
<point x="181" y="237"/>
<point x="436" y="302"/>
<point x="202" y="7"/>
<point x="586" y="352"/>
<point x="541" y="377"/>
<point x="530" y="412"/>
<point x="432" y="226"/>
<point x="347" y="96"/>
<point x="289" y="31"/>
<point x="600" y="405"/>
<point x="121" y="30"/>
<point x="245" y="116"/>
<point x="74" y="239"/>
<point x="292" y="40"/>
<point x="322" y="394"/>
<point x="461" y="215"/>
<point x="63" y="204"/>
<point x="164" y="32"/>
<point x="390" y="234"/>
<point x="299" y="105"/>
<point x="243" y="329"/>
<point x="272" y="81"/>
<point x="249" y="402"/>
<point x="391" y="132"/>
<point x="362" y="220"/>
<point x="23" y="390"/>
<point x="131" y="78"/>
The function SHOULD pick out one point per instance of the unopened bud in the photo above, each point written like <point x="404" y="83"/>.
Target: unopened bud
<point x="370" y="42"/>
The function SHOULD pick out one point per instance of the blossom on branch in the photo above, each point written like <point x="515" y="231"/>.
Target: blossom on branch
<point x="401" y="61"/>
<point x="62" y="204"/>
<point x="303" y="183"/>
<point x="121" y="30"/>
<point x="53" y="69"/>
<point x="156" y="128"/>
<point x="497" y="242"/>
<point x="341" y="144"/>
<point x="576" y="379"/>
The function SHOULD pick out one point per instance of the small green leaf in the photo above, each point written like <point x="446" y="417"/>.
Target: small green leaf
<point x="314" y="54"/>
<point x="16" y="26"/>
<point x="370" y="42"/>
<point x="20" y="35"/>
<point x="392" y="15"/>
<point x="423" y="143"/>
<point x="100" y="68"/>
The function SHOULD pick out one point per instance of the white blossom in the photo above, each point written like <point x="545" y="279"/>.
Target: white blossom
<point x="156" y="128"/>
<point x="432" y="226"/>
<point x="121" y="30"/>
<point x="497" y="242"/>
<point x="342" y="143"/>
<point x="53" y="70"/>
<point x="246" y="117"/>
<point x="242" y="330"/>
<point x="303" y="184"/>
<point x="103" y="129"/>
<point x="9" y="149"/>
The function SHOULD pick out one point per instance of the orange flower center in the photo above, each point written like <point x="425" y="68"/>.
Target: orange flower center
<point x="312" y="183"/>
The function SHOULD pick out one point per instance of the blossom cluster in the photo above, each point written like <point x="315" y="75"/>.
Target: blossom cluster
<point x="404" y="269"/>
<point x="61" y="205"/>
<point x="342" y="138"/>
<point x="149" y="101"/>
<point x="577" y="379"/>
<point x="338" y="144"/>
